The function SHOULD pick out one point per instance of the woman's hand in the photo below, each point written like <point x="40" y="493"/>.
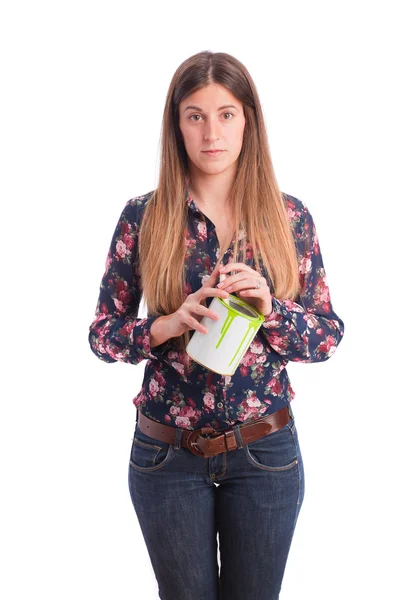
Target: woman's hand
<point x="244" y="284"/>
<point x="194" y="306"/>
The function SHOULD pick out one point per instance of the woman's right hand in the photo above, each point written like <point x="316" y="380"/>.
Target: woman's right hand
<point x="185" y="319"/>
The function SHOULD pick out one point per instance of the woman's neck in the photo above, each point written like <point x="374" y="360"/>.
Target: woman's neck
<point x="211" y="192"/>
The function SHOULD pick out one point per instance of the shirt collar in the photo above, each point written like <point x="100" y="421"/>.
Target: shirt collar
<point x="191" y="204"/>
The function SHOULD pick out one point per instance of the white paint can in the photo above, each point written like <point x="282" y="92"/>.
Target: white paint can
<point x="227" y="338"/>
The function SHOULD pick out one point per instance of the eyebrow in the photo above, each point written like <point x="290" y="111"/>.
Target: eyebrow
<point x="220" y="107"/>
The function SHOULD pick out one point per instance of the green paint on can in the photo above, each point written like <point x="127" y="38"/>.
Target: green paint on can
<point x="246" y="311"/>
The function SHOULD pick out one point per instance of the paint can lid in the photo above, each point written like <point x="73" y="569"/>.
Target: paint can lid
<point x="242" y="308"/>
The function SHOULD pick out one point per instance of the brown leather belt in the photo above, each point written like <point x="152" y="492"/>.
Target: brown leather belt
<point x="215" y="441"/>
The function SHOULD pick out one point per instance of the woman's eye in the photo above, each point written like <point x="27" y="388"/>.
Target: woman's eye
<point x="228" y="113"/>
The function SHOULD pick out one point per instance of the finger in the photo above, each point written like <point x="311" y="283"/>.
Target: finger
<point x="214" y="274"/>
<point x="194" y="324"/>
<point x="236" y="267"/>
<point x="212" y="278"/>
<point x="200" y="309"/>
<point x="238" y="275"/>
<point x="205" y="292"/>
<point x="216" y="270"/>
<point x="188" y="320"/>
<point x="237" y="282"/>
<point x="249" y="287"/>
<point x="251" y="293"/>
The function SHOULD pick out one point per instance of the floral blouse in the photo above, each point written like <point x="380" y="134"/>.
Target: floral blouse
<point x="305" y="331"/>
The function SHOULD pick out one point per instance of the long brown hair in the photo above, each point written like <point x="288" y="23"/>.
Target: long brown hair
<point x="256" y="202"/>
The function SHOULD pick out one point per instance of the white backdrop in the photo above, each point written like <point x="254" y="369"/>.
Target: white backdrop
<point x="84" y="85"/>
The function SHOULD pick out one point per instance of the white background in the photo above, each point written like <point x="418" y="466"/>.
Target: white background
<point x="83" y="91"/>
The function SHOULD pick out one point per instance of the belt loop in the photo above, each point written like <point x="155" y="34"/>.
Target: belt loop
<point x="290" y="411"/>
<point x="238" y="436"/>
<point x="178" y="437"/>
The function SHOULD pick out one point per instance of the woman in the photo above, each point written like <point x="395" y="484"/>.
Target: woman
<point x="214" y="454"/>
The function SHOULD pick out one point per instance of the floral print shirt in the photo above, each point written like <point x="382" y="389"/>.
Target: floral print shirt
<point x="305" y="331"/>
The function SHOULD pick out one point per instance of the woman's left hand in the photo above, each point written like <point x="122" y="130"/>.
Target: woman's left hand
<point x="244" y="283"/>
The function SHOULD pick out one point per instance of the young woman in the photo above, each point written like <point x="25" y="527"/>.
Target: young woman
<point x="215" y="454"/>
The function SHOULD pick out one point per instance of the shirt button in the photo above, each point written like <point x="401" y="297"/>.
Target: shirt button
<point x="220" y="404"/>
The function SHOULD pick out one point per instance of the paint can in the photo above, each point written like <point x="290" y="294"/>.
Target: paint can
<point x="228" y="338"/>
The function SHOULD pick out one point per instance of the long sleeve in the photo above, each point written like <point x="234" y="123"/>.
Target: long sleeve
<point x="116" y="334"/>
<point x="308" y="330"/>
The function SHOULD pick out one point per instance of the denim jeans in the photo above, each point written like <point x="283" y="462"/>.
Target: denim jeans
<point x="251" y="497"/>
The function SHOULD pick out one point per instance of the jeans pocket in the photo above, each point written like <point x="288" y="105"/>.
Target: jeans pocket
<point x="276" y="451"/>
<point x="148" y="453"/>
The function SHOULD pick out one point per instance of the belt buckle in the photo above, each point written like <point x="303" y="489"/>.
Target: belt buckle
<point x="192" y="444"/>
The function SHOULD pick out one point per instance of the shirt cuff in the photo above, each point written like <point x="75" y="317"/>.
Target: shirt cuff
<point x="278" y="314"/>
<point x="141" y="336"/>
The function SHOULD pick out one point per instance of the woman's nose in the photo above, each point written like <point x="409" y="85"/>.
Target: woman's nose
<point x="211" y="131"/>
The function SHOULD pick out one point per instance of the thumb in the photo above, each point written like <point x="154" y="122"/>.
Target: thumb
<point x="213" y="278"/>
<point x="215" y="273"/>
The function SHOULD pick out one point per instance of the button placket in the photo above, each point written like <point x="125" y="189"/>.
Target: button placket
<point x="222" y="404"/>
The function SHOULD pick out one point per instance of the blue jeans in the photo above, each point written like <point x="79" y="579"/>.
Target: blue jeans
<point x="251" y="497"/>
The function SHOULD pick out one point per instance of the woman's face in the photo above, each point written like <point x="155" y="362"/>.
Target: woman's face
<point x="212" y="118"/>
